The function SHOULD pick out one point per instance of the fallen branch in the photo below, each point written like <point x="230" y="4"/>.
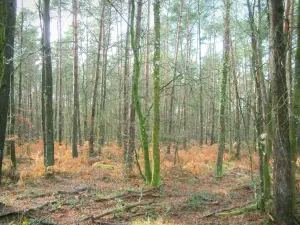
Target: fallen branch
<point x="129" y="194"/>
<point x="222" y="211"/>
<point x="47" y="194"/>
<point x="124" y="208"/>
<point x="27" y="211"/>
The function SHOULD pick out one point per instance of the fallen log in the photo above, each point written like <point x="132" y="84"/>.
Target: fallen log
<point x="124" y="208"/>
<point x="222" y="212"/>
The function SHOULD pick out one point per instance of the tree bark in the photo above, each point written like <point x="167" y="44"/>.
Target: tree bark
<point x="75" y="84"/>
<point x="7" y="37"/>
<point x="156" y="97"/>
<point x="282" y="151"/>
<point x="225" y="71"/>
<point x="49" y="157"/>
<point x="97" y="76"/>
<point x="126" y="135"/>
<point x="135" y="44"/>
<point x="177" y="40"/>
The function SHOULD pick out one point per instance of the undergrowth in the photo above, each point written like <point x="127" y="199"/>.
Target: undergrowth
<point x="196" y="161"/>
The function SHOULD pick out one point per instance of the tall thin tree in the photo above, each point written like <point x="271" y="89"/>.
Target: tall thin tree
<point x="225" y="72"/>
<point x="49" y="145"/>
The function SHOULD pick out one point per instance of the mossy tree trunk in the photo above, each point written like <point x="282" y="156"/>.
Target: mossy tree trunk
<point x="225" y="71"/>
<point x="128" y="137"/>
<point x="281" y="145"/>
<point x="156" y="97"/>
<point x="259" y="121"/>
<point x="135" y="42"/>
<point x="295" y="121"/>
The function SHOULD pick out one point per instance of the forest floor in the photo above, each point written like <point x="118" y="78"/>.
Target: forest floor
<point x="94" y="191"/>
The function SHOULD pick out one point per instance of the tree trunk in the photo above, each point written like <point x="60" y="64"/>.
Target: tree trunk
<point x="126" y="135"/>
<point x="49" y="157"/>
<point x="7" y="37"/>
<point x="201" y="130"/>
<point x="60" y="100"/>
<point x="135" y="43"/>
<point x="20" y="114"/>
<point x="156" y="97"/>
<point x="97" y="76"/>
<point x="259" y="121"/>
<point x="295" y="122"/>
<point x="282" y="151"/>
<point x="177" y="41"/>
<point x="102" y="128"/>
<point x="225" y="71"/>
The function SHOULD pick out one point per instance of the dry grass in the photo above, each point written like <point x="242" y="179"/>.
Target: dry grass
<point x="200" y="161"/>
<point x="64" y="162"/>
<point x="197" y="161"/>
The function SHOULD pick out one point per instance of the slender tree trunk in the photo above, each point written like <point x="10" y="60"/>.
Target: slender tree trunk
<point x="259" y="121"/>
<point x="11" y="130"/>
<point x="120" y="59"/>
<point x="75" y="84"/>
<point x="20" y="114"/>
<point x="156" y="97"/>
<point x="225" y="71"/>
<point x="102" y="130"/>
<point x="201" y="124"/>
<point x="126" y="134"/>
<point x="135" y="43"/>
<point x="97" y="76"/>
<point x="60" y="100"/>
<point x="147" y="60"/>
<point x="177" y="40"/>
<point x="237" y="136"/>
<point x="49" y="156"/>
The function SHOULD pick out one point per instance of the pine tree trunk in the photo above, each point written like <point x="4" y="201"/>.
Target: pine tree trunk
<point x="177" y="41"/>
<point x="93" y="112"/>
<point x="201" y="124"/>
<point x="7" y="37"/>
<point x="225" y="71"/>
<point x="282" y="149"/>
<point x="49" y="157"/>
<point x="75" y="84"/>
<point x="102" y="128"/>
<point x="126" y="135"/>
<point x="20" y="114"/>
<point x="60" y="99"/>
<point x="156" y="97"/>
